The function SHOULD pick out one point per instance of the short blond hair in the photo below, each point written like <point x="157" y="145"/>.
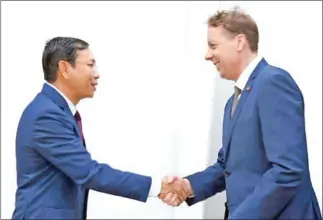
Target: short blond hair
<point x="237" y="22"/>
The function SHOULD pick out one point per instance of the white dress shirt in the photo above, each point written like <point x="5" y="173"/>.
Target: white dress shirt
<point x="246" y="73"/>
<point x="155" y="187"/>
<point x="70" y="104"/>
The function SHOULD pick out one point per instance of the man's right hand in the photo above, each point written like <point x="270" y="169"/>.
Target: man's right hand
<point x="175" y="190"/>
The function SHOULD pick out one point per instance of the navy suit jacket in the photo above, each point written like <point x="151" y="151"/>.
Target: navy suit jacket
<point x="263" y="162"/>
<point x="54" y="169"/>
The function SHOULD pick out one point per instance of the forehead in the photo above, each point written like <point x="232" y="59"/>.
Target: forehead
<point x="216" y="34"/>
<point x="85" y="55"/>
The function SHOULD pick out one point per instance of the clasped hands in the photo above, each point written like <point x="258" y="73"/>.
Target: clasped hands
<point x="175" y="190"/>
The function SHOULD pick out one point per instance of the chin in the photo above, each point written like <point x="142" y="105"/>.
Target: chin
<point x="89" y="95"/>
<point x="222" y="76"/>
<point x="225" y="76"/>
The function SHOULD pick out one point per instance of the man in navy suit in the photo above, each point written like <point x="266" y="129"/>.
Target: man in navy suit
<point x="54" y="169"/>
<point x="263" y="162"/>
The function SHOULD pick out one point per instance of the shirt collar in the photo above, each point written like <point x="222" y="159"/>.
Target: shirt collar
<point x="71" y="106"/>
<point x="244" y="77"/>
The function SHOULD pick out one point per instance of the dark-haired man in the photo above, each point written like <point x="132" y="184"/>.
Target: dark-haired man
<point x="54" y="169"/>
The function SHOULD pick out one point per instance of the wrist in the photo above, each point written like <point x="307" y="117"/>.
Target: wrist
<point x="189" y="187"/>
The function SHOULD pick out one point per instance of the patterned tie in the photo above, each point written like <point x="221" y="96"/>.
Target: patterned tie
<point x="78" y="119"/>
<point x="237" y="92"/>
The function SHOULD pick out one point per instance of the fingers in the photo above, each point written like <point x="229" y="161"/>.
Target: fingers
<point x="174" y="190"/>
<point x="179" y="186"/>
<point x="170" y="179"/>
<point x="181" y="192"/>
<point x="168" y="198"/>
<point x="171" y="199"/>
<point x="175" y="201"/>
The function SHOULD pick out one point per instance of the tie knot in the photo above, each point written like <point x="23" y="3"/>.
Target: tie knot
<point x="237" y="91"/>
<point x="78" y="120"/>
<point x="77" y="116"/>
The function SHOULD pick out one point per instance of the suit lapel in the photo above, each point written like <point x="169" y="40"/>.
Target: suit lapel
<point x="61" y="103"/>
<point x="231" y="122"/>
<point x="243" y="97"/>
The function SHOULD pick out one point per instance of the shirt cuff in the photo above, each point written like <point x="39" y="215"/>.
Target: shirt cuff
<point x="155" y="188"/>
<point x="191" y="196"/>
<point x="192" y="193"/>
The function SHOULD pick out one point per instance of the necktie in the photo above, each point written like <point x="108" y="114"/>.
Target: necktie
<point x="237" y="92"/>
<point x="78" y="119"/>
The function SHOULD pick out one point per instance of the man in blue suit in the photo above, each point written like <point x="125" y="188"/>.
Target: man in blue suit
<point x="54" y="169"/>
<point x="263" y="162"/>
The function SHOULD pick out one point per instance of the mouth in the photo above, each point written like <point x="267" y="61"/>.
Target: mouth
<point x="94" y="85"/>
<point x="216" y="64"/>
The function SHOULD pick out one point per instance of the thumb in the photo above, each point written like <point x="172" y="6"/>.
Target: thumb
<point x="171" y="179"/>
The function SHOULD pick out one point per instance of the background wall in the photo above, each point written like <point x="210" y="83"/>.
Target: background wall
<point x="158" y="107"/>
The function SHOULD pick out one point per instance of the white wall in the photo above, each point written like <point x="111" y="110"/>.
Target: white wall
<point x="158" y="106"/>
<point x="201" y="79"/>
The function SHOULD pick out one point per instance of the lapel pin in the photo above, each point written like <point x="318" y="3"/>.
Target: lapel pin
<point x="248" y="89"/>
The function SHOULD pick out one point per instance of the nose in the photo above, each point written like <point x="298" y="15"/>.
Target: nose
<point x="208" y="55"/>
<point x="96" y="75"/>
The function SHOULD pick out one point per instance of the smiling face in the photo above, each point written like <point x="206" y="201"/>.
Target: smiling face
<point x="223" y="51"/>
<point x="232" y="42"/>
<point x="81" y="76"/>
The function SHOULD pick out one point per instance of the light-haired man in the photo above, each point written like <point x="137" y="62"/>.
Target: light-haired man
<point x="263" y="162"/>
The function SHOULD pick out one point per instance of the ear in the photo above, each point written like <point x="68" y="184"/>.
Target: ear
<point x="241" y="41"/>
<point x="63" y="67"/>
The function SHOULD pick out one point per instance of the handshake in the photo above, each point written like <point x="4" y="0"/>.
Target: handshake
<point x="175" y="190"/>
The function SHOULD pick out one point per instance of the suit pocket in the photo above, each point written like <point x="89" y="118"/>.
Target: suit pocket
<point x="53" y="213"/>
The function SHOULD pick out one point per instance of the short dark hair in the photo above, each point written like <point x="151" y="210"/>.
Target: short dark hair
<point x="57" y="49"/>
<point x="237" y="22"/>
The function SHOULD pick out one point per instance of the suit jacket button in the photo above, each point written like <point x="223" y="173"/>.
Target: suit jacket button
<point x="227" y="173"/>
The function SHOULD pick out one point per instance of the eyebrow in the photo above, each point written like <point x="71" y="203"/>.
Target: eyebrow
<point x="212" y="44"/>
<point x="92" y="61"/>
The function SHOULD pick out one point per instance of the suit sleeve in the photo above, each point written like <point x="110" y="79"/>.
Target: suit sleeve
<point x="208" y="182"/>
<point x="281" y="111"/>
<point x="56" y="141"/>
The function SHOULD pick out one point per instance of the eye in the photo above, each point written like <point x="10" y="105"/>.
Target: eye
<point x="213" y="46"/>
<point x="90" y="65"/>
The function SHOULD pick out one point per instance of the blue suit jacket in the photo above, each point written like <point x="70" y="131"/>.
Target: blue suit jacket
<point x="54" y="169"/>
<point x="263" y="163"/>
